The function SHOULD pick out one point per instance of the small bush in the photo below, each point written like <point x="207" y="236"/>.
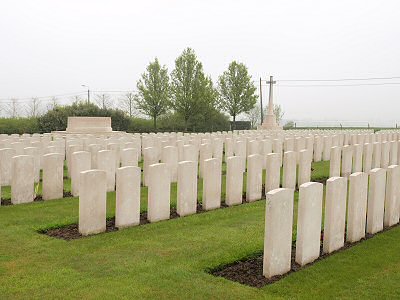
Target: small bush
<point x="140" y="125"/>
<point x="57" y="118"/>
<point x="19" y="125"/>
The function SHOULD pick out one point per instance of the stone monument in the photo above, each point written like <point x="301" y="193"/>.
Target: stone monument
<point x="88" y="125"/>
<point x="270" y="120"/>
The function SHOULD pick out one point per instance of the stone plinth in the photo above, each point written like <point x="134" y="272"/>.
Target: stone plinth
<point x="99" y="126"/>
<point x="270" y="123"/>
<point x="89" y="125"/>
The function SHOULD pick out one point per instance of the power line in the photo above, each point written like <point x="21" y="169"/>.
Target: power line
<point x="280" y="80"/>
<point x="113" y="91"/>
<point x="342" y="79"/>
<point x="43" y="97"/>
<point x="338" y="85"/>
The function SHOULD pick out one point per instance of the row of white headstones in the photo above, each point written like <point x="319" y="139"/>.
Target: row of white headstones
<point x="372" y="202"/>
<point x="85" y="153"/>
<point x="126" y="150"/>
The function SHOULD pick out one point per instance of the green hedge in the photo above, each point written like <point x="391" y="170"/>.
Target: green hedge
<point x="172" y="122"/>
<point x="19" y="125"/>
<point x="57" y="118"/>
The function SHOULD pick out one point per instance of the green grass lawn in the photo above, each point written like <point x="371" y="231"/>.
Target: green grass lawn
<point x="169" y="259"/>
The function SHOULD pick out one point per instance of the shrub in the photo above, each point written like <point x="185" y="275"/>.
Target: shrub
<point x="140" y="125"/>
<point x="57" y="118"/>
<point x="19" y="125"/>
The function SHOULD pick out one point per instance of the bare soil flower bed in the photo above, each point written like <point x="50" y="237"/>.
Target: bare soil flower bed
<point x="71" y="232"/>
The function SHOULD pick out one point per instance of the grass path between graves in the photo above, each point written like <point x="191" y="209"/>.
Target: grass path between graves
<point x="168" y="260"/>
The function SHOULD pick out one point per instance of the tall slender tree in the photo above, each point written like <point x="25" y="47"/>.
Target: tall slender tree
<point x="13" y="108"/>
<point x="103" y="101"/>
<point x="254" y="116"/>
<point x="153" y="91"/>
<point x="193" y="93"/>
<point x="33" y="108"/>
<point x="127" y="103"/>
<point x="236" y="90"/>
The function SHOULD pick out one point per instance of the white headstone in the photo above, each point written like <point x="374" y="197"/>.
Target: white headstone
<point x="6" y="155"/>
<point x="376" y="200"/>
<point x="53" y="176"/>
<point x="234" y="180"/>
<point x="357" y="207"/>
<point x="289" y="170"/>
<point x="273" y="170"/>
<point x="335" y="162"/>
<point x="129" y="157"/>
<point x="309" y="222"/>
<point x="347" y="161"/>
<point x="335" y="214"/>
<point x="169" y="156"/>
<point x="92" y="202"/>
<point x="212" y="184"/>
<point x="187" y="188"/>
<point x="367" y="157"/>
<point x="304" y="167"/>
<point x="254" y="177"/>
<point x="278" y="232"/>
<point x="159" y="184"/>
<point x="106" y="162"/>
<point x="127" y="210"/>
<point x="22" y="181"/>
<point x="392" y="196"/>
<point x="80" y="161"/>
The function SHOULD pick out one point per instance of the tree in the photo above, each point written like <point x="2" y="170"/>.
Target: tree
<point x="236" y="90"/>
<point x="33" y="108"/>
<point x="76" y="99"/>
<point x="53" y="103"/>
<point x="153" y="91"/>
<point x="254" y="115"/>
<point x="278" y="112"/>
<point x="127" y="103"/>
<point x="192" y="92"/>
<point x="12" y="108"/>
<point x="288" y="125"/>
<point x="103" y="101"/>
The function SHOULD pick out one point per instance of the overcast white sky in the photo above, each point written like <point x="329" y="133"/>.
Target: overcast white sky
<point x="52" y="47"/>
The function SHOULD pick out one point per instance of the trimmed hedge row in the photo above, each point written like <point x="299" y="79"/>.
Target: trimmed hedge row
<point x="56" y="120"/>
<point x="19" y="125"/>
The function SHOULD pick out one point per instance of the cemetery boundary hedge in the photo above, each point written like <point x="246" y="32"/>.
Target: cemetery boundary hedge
<point x="19" y="125"/>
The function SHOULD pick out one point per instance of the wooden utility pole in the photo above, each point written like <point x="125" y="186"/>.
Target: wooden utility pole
<point x="261" y="104"/>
